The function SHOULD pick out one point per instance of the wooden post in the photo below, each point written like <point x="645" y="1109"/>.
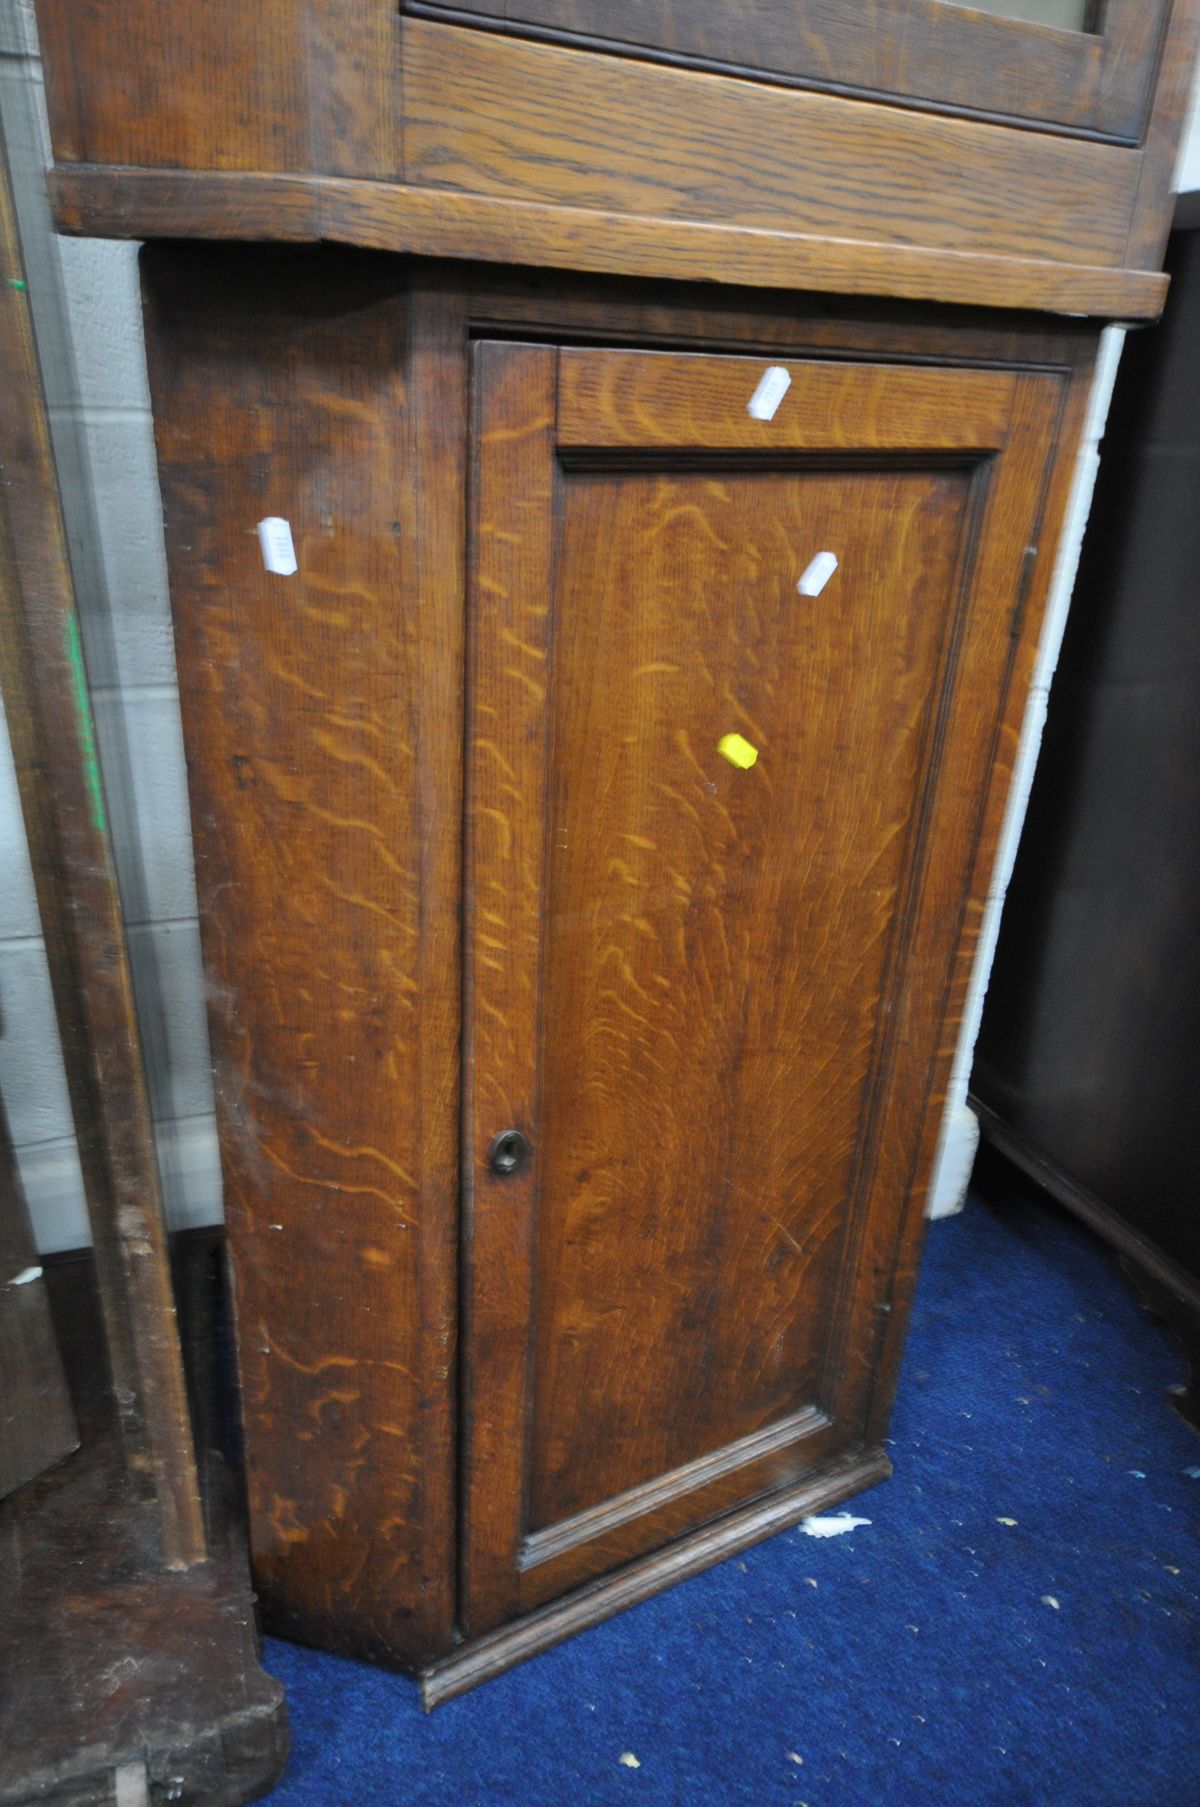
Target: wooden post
<point x="62" y="798"/>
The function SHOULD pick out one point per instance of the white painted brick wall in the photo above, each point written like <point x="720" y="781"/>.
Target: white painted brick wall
<point x="1187" y="170"/>
<point x="88" y="318"/>
<point x="960" y="1129"/>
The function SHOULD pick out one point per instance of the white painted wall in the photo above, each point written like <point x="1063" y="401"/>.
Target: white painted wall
<point x="1187" y="170"/>
<point x="84" y="295"/>
<point x="88" y="321"/>
<point x="960" y="1129"/>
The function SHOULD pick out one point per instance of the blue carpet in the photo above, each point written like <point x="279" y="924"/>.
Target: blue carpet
<point x="942" y="1655"/>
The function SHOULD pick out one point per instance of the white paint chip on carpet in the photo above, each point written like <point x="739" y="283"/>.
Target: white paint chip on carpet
<point x="833" y="1524"/>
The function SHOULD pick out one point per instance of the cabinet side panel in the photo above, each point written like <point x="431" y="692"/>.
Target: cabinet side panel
<point x="282" y="384"/>
<point x="185" y="86"/>
<point x="281" y="86"/>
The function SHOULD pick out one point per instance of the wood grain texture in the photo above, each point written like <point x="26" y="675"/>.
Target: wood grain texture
<point x="324" y="760"/>
<point x="48" y="712"/>
<point x="355" y="93"/>
<point x="218" y="88"/>
<point x="700" y="403"/>
<point x="486" y="114"/>
<point x="408" y="134"/>
<point x="512" y="558"/>
<point x="109" y="1660"/>
<point x="1059" y="441"/>
<point x="683" y="976"/>
<point x="943" y="910"/>
<point x="331" y="387"/>
<point x="388" y="217"/>
<point x="921" y="51"/>
<point x="616" y="312"/>
<point x="282" y="85"/>
<point x="433" y="508"/>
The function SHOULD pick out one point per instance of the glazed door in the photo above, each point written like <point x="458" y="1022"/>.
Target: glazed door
<point x="738" y="638"/>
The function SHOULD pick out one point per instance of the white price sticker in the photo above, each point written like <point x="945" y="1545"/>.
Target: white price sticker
<point x="278" y="552"/>
<point x="771" y="390"/>
<point x="818" y="574"/>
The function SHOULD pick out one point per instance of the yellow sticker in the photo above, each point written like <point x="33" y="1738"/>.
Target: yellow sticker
<point x="737" y="750"/>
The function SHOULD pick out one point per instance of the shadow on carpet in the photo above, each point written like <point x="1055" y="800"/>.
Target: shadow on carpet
<point x="1018" y="1624"/>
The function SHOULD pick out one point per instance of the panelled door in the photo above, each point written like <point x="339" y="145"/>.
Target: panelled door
<point x="738" y="634"/>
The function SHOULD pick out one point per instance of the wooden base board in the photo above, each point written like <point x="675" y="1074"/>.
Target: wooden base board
<point x="488" y="1656"/>
<point x="1162" y="1286"/>
<point x="37" y="1426"/>
<point x="124" y="1681"/>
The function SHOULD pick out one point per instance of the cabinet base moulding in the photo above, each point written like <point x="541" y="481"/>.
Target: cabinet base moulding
<point x="485" y="1657"/>
<point x="91" y="199"/>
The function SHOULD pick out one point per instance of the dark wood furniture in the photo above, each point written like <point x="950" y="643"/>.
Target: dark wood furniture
<point x="1086" y="1068"/>
<point x="578" y="1085"/>
<point x="37" y="1425"/>
<point x="352" y="121"/>
<point x="128" y="1668"/>
<point x="49" y="721"/>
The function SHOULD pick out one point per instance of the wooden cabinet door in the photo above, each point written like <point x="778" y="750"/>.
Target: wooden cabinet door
<point x="709" y="993"/>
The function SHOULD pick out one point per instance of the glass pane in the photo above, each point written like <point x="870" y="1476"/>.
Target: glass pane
<point x="1068" y="15"/>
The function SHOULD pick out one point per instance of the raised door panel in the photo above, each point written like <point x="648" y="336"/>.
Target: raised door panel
<point x="684" y="973"/>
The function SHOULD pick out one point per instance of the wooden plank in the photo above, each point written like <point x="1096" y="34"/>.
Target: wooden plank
<point x="388" y="216"/>
<point x="112" y="1663"/>
<point x="489" y="115"/>
<point x="98" y="200"/>
<point x="512" y="558"/>
<point x="1059" y="474"/>
<point x="488" y="1656"/>
<point x="433" y="507"/>
<point x="683" y="399"/>
<point x="806" y="187"/>
<point x="62" y="799"/>
<point x="218" y="87"/>
<point x="354" y="57"/>
<point x="948" y="889"/>
<point x="322" y="721"/>
<point x="304" y="85"/>
<point x="909" y="50"/>
<point x="491" y="230"/>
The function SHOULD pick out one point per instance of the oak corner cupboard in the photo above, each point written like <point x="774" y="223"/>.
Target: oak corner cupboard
<point x="667" y="416"/>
